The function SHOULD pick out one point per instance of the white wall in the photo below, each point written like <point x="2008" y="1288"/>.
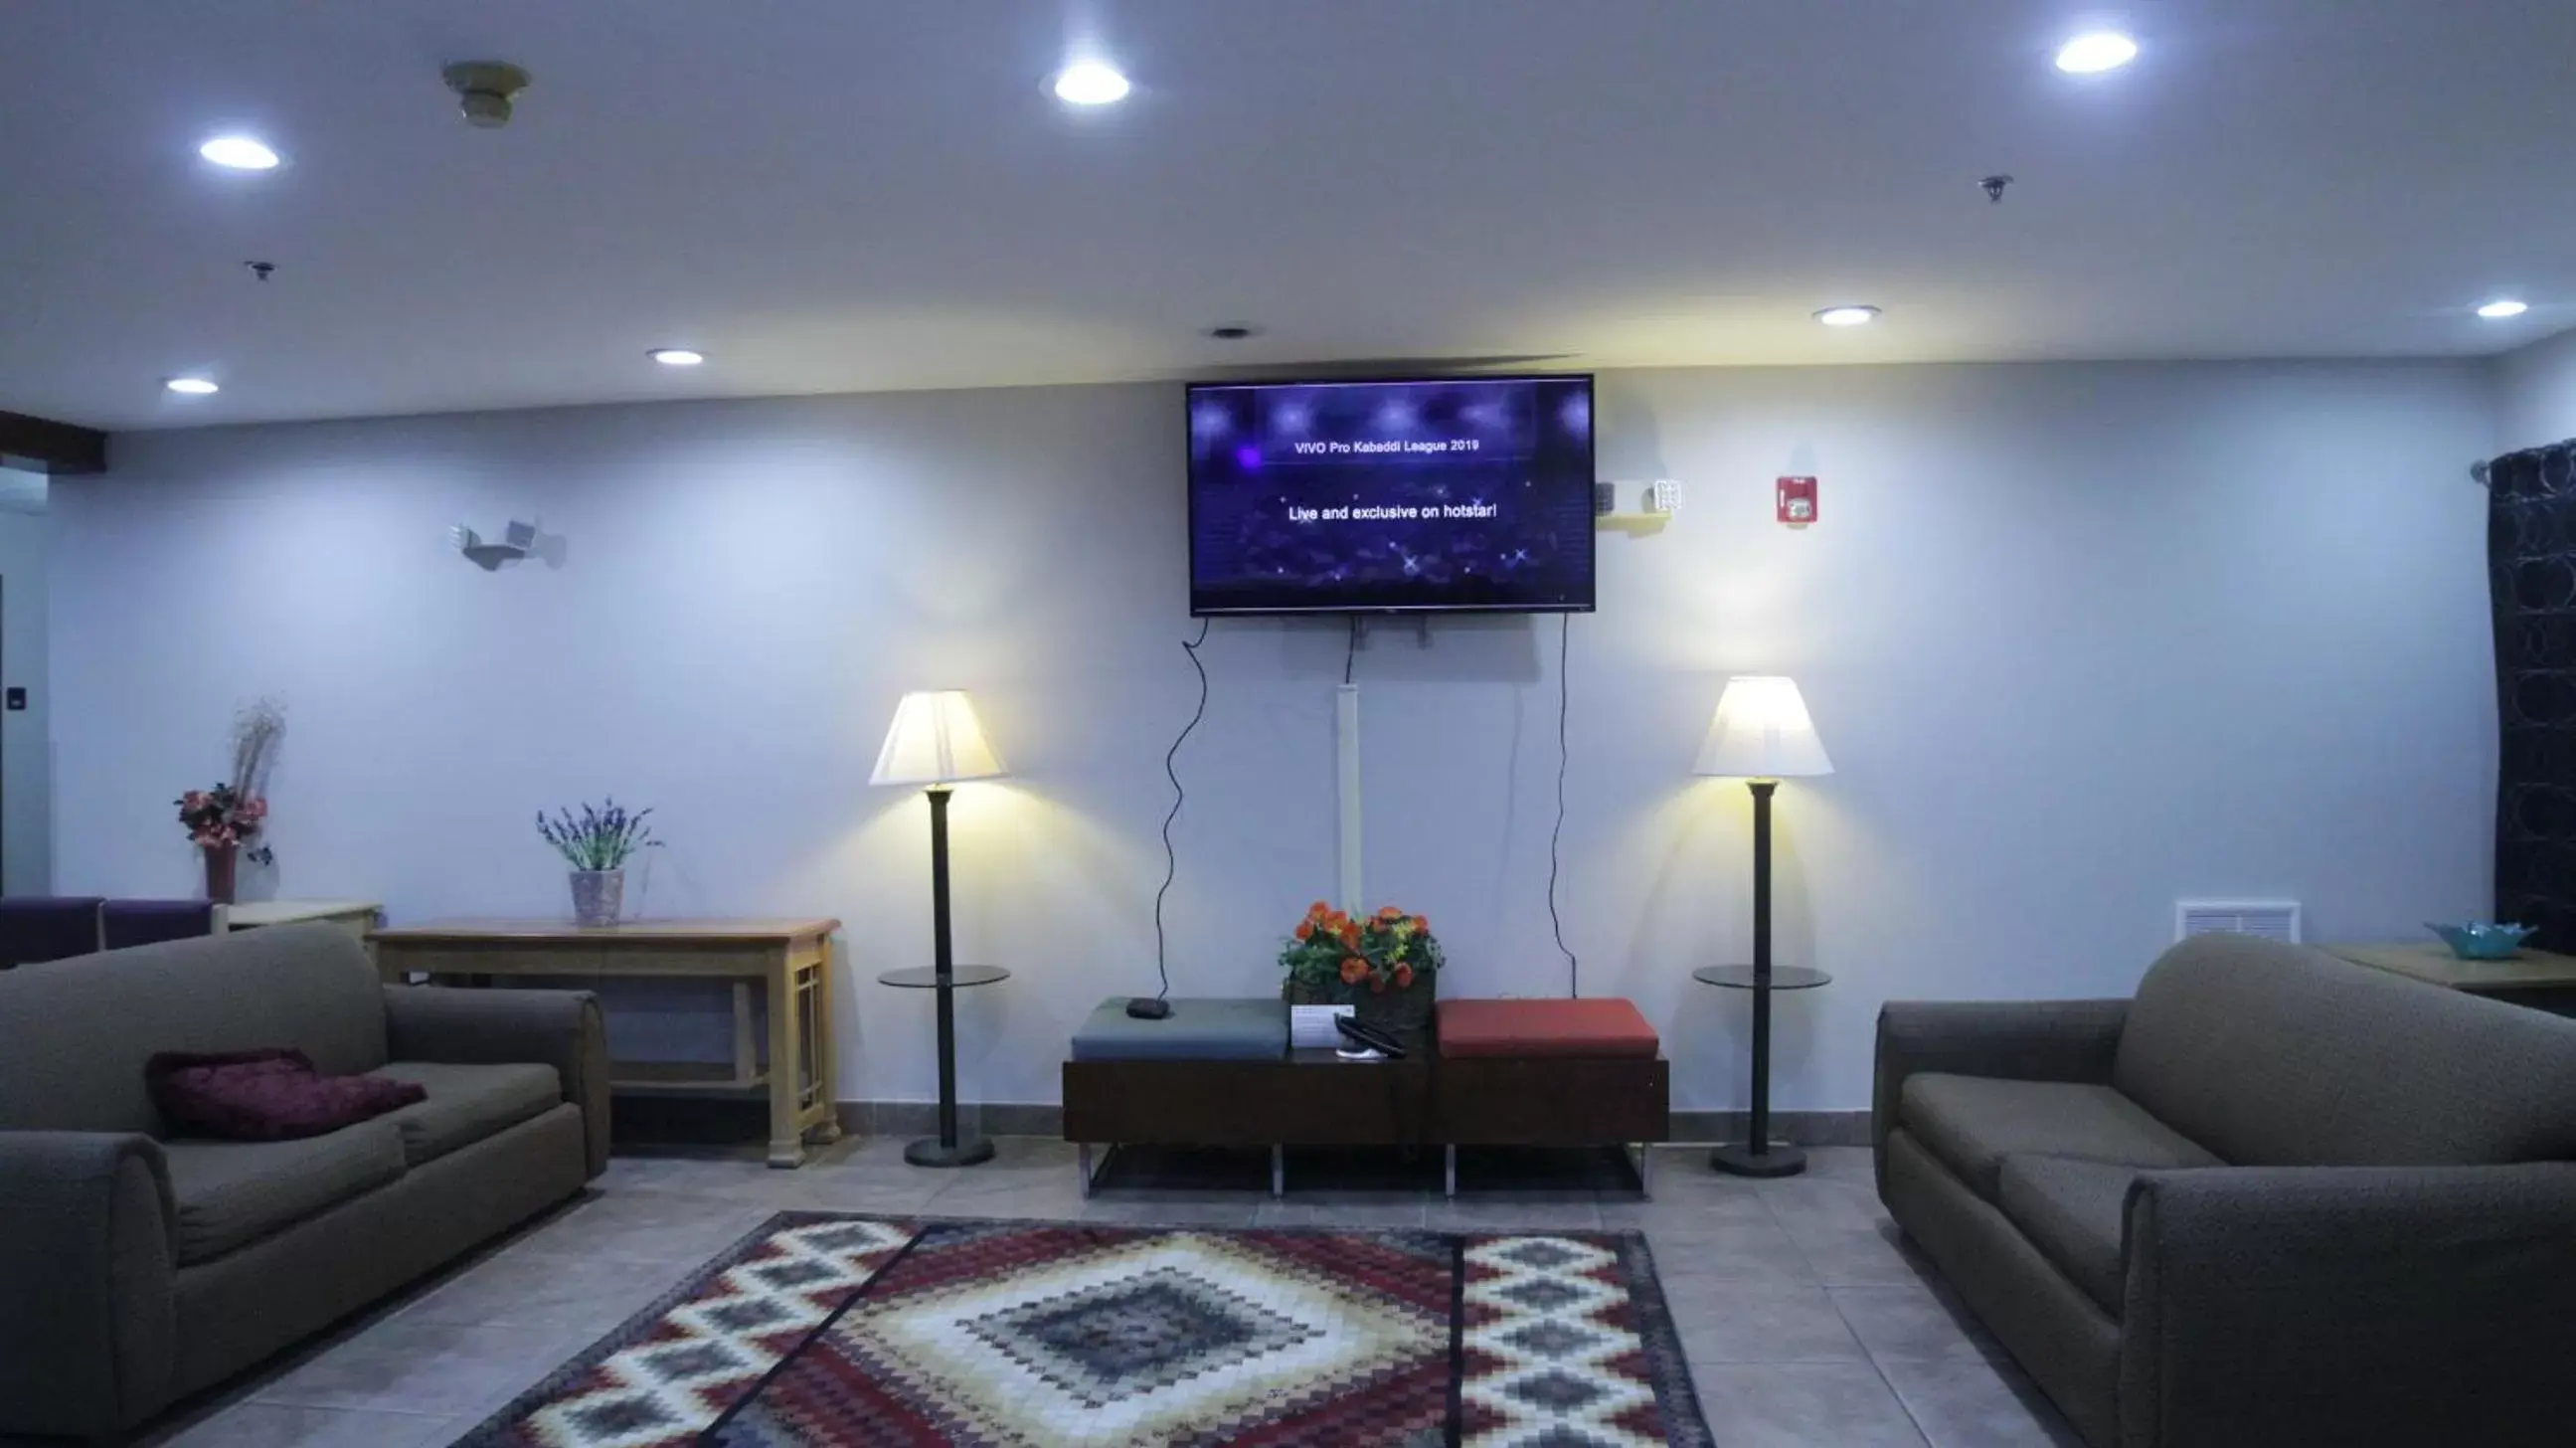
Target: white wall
<point x="2081" y="639"/>
<point x="26" y="738"/>
<point x="2536" y="394"/>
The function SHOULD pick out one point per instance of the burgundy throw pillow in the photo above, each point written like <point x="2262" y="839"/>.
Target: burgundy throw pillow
<point x="266" y="1095"/>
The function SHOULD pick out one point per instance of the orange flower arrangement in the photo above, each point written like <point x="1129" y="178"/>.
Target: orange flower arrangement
<point x="1331" y="953"/>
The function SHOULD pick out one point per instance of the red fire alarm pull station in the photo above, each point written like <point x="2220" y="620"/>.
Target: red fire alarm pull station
<point x="1797" y="501"/>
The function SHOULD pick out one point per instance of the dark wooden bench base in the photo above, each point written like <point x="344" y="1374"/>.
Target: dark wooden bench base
<point x="1552" y="1101"/>
<point x="1312" y="1098"/>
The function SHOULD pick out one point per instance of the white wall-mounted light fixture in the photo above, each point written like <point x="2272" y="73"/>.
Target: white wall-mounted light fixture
<point x="516" y="542"/>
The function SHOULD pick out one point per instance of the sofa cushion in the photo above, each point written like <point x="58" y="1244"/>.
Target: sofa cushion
<point x="1973" y="1122"/>
<point x="232" y="1193"/>
<point x="123" y="924"/>
<point x="1227" y="1029"/>
<point x="75" y="1034"/>
<point x="48" y="927"/>
<point x="2275" y="1055"/>
<point x="2072" y="1211"/>
<point x="1610" y="1027"/>
<point x="467" y="1103"/>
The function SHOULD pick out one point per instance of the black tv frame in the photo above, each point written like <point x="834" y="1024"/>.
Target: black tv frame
<point x="1591" y="535"/>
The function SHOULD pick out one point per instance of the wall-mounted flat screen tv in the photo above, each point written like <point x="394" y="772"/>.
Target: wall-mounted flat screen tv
<point x="1439" y="495"/>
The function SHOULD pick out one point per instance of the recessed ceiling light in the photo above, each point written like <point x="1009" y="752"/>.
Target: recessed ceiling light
<point x="241" y="153"/>
<point x="676" y="356"/>
<point x="1847" y="316"/>
<point x="2503" y="307"/>
<point x="2096" y="52"/>
<point x="192" y="386"/>
<point x="1089" y="83"/>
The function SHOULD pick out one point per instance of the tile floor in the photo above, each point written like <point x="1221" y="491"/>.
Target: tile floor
<point x="1805" y="1319"/>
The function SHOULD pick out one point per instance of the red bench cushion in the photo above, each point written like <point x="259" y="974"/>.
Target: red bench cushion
<point x="1544" y="1028"/>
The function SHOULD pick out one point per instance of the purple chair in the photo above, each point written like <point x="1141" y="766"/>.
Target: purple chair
<point x="148" y="922"/>
<point x="47" y="927"/>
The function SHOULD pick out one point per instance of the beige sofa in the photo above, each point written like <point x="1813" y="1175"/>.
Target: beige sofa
<point x="136" y="1269"/>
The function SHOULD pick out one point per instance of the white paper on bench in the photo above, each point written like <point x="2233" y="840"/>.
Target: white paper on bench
<point x="1313" y="1025"/>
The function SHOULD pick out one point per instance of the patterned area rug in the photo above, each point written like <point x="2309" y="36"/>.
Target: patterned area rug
<point x="822" y="1331"/>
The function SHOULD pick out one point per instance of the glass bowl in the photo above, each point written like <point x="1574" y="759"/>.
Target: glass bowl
<point x="2481" y="939"/>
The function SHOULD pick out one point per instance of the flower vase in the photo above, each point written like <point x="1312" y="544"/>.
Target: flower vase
<point x="598" y="896"/>
<point x="222" y="865"/>
<point x="1403" y="1010"/>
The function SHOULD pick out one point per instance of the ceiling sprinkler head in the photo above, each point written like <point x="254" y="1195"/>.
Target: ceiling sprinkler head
<point x="484" y="90"/>
<point x="1994" y="186"/>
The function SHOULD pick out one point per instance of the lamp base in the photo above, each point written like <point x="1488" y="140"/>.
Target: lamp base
<point x="929" y="1151"/>
<point x="1744" y="1161"/>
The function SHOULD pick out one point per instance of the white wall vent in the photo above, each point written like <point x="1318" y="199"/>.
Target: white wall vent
<point x="2270" y="919"/>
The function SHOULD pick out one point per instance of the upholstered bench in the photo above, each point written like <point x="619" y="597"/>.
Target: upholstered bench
<point x="1548" y="1072"/>
<point x="1219" y="1073"/>
<point x="1196" y="1030"/>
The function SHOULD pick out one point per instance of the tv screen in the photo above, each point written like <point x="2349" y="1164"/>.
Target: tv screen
<point x="1349" y="497"/>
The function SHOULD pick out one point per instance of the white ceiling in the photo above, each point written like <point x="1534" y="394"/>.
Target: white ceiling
<point x="832" y="195"/>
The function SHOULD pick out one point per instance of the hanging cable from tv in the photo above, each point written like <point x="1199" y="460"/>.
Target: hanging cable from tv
<point x="1159" y="1005"/>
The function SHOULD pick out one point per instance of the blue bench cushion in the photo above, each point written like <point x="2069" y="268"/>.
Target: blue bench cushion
<point x="1196" y="1030"/>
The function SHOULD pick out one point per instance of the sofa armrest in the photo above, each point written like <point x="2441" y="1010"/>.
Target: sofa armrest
<point x="88" y="1321"/>
<point x="2269" y="1305"/>
<point x="2017" y="1040"/>
<point x="558" y="1028"/>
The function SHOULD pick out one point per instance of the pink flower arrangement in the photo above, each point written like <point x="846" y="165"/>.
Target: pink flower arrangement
<point x="221" y="816"/>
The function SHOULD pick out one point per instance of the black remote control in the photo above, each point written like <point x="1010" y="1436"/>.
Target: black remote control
<point x="1369" y="1038"/>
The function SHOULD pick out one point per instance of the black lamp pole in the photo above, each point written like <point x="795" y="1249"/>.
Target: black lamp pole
<point x="947" y="1150"/>
<point x="1757" y="1157"/>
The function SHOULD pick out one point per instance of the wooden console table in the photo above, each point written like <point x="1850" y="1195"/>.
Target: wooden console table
<point x="2534" y="978"/>
<point x="358" y="917"/>
<point x="791" y="959"/>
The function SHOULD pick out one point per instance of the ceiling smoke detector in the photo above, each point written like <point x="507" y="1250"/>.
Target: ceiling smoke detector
<point x="484" y="90"/>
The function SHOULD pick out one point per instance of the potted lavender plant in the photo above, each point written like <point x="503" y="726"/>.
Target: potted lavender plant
<point x="597" y="843"/>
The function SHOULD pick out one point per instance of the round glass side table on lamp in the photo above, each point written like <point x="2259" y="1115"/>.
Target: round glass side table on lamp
<point x="946" y="1149"/>
<point x="1759" y="1156"/>
<point x="936" y="741"/>
<point x="1761" y="735"/>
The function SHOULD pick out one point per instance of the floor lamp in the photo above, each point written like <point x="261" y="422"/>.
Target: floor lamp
<point x="937" y="742"/>
<point x="1761" y="735"/>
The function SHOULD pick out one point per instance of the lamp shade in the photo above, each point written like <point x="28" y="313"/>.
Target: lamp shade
<point x="936" y="739"/>
<point x="1762" y="732"/>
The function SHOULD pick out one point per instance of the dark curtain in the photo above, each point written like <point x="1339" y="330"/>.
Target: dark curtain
<point x="2531" y="574"/>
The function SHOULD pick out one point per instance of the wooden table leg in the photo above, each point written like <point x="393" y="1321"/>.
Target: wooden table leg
<point x="786" y="1138"/>
<point x="746" y="1047"/>
<point x="826" y="1078"/>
